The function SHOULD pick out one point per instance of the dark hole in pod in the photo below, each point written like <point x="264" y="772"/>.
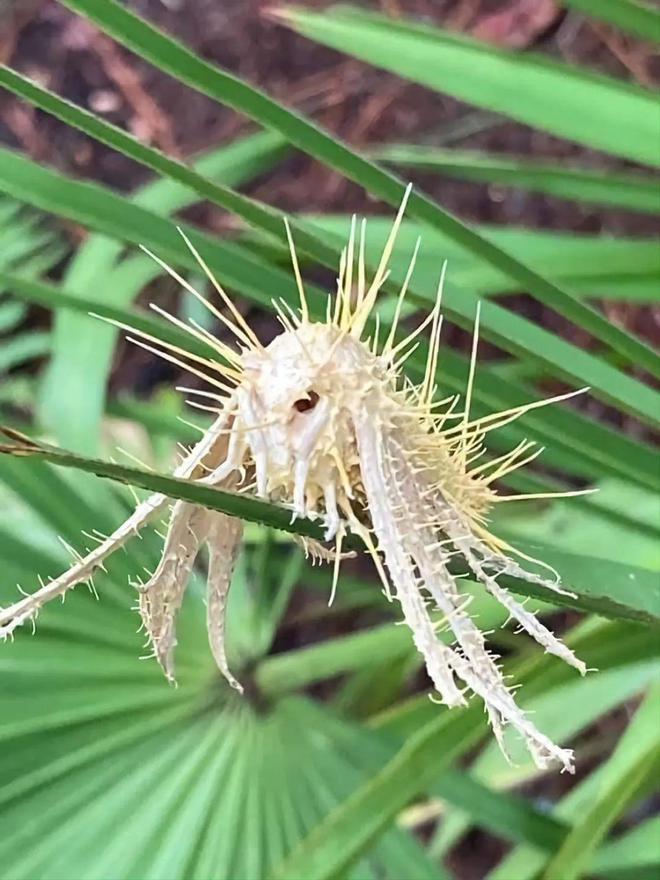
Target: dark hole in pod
<point x="306" y="403"/>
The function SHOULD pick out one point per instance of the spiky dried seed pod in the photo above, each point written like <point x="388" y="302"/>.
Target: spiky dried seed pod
<point x="325" y="422"/>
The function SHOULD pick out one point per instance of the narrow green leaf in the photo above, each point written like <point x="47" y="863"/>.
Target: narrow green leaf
<point x="603" y="586"/>
<point x="22" y="348"/>
<point x="11" y="314"/>
<point x="595" y="262"/>
<point x="631" y="851"/>
<point x="635" y="760"/>
<point x="632" y="192"/>
<point x="52" y="297"/>
<point x="51" y="496"/>
<point x="629" y="15"/>
<point x="513" y="83"/>
<point x="610" y="510"/>
<point x="25" y="241"/>
<point x="635" y="598"/>
<point x="507" y="815"/>
<point x="244" y="507"/>
<point x="292" y="670"/>
<point x="598" y="531"/>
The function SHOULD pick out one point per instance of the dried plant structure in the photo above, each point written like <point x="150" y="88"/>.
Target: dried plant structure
<point x="324" y="421"/>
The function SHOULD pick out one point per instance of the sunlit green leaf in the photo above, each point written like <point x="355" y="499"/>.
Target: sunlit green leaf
<point x="514" y="83"/>
<point x="633" y="192"/>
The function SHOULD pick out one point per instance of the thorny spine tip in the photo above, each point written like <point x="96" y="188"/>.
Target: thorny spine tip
<point x="324" y="420"/>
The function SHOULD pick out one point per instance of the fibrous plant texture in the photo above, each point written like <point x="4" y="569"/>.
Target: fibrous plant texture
<point x="324" y="421"/>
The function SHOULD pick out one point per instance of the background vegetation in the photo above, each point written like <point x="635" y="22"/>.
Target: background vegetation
<point x="336" y="764"/>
